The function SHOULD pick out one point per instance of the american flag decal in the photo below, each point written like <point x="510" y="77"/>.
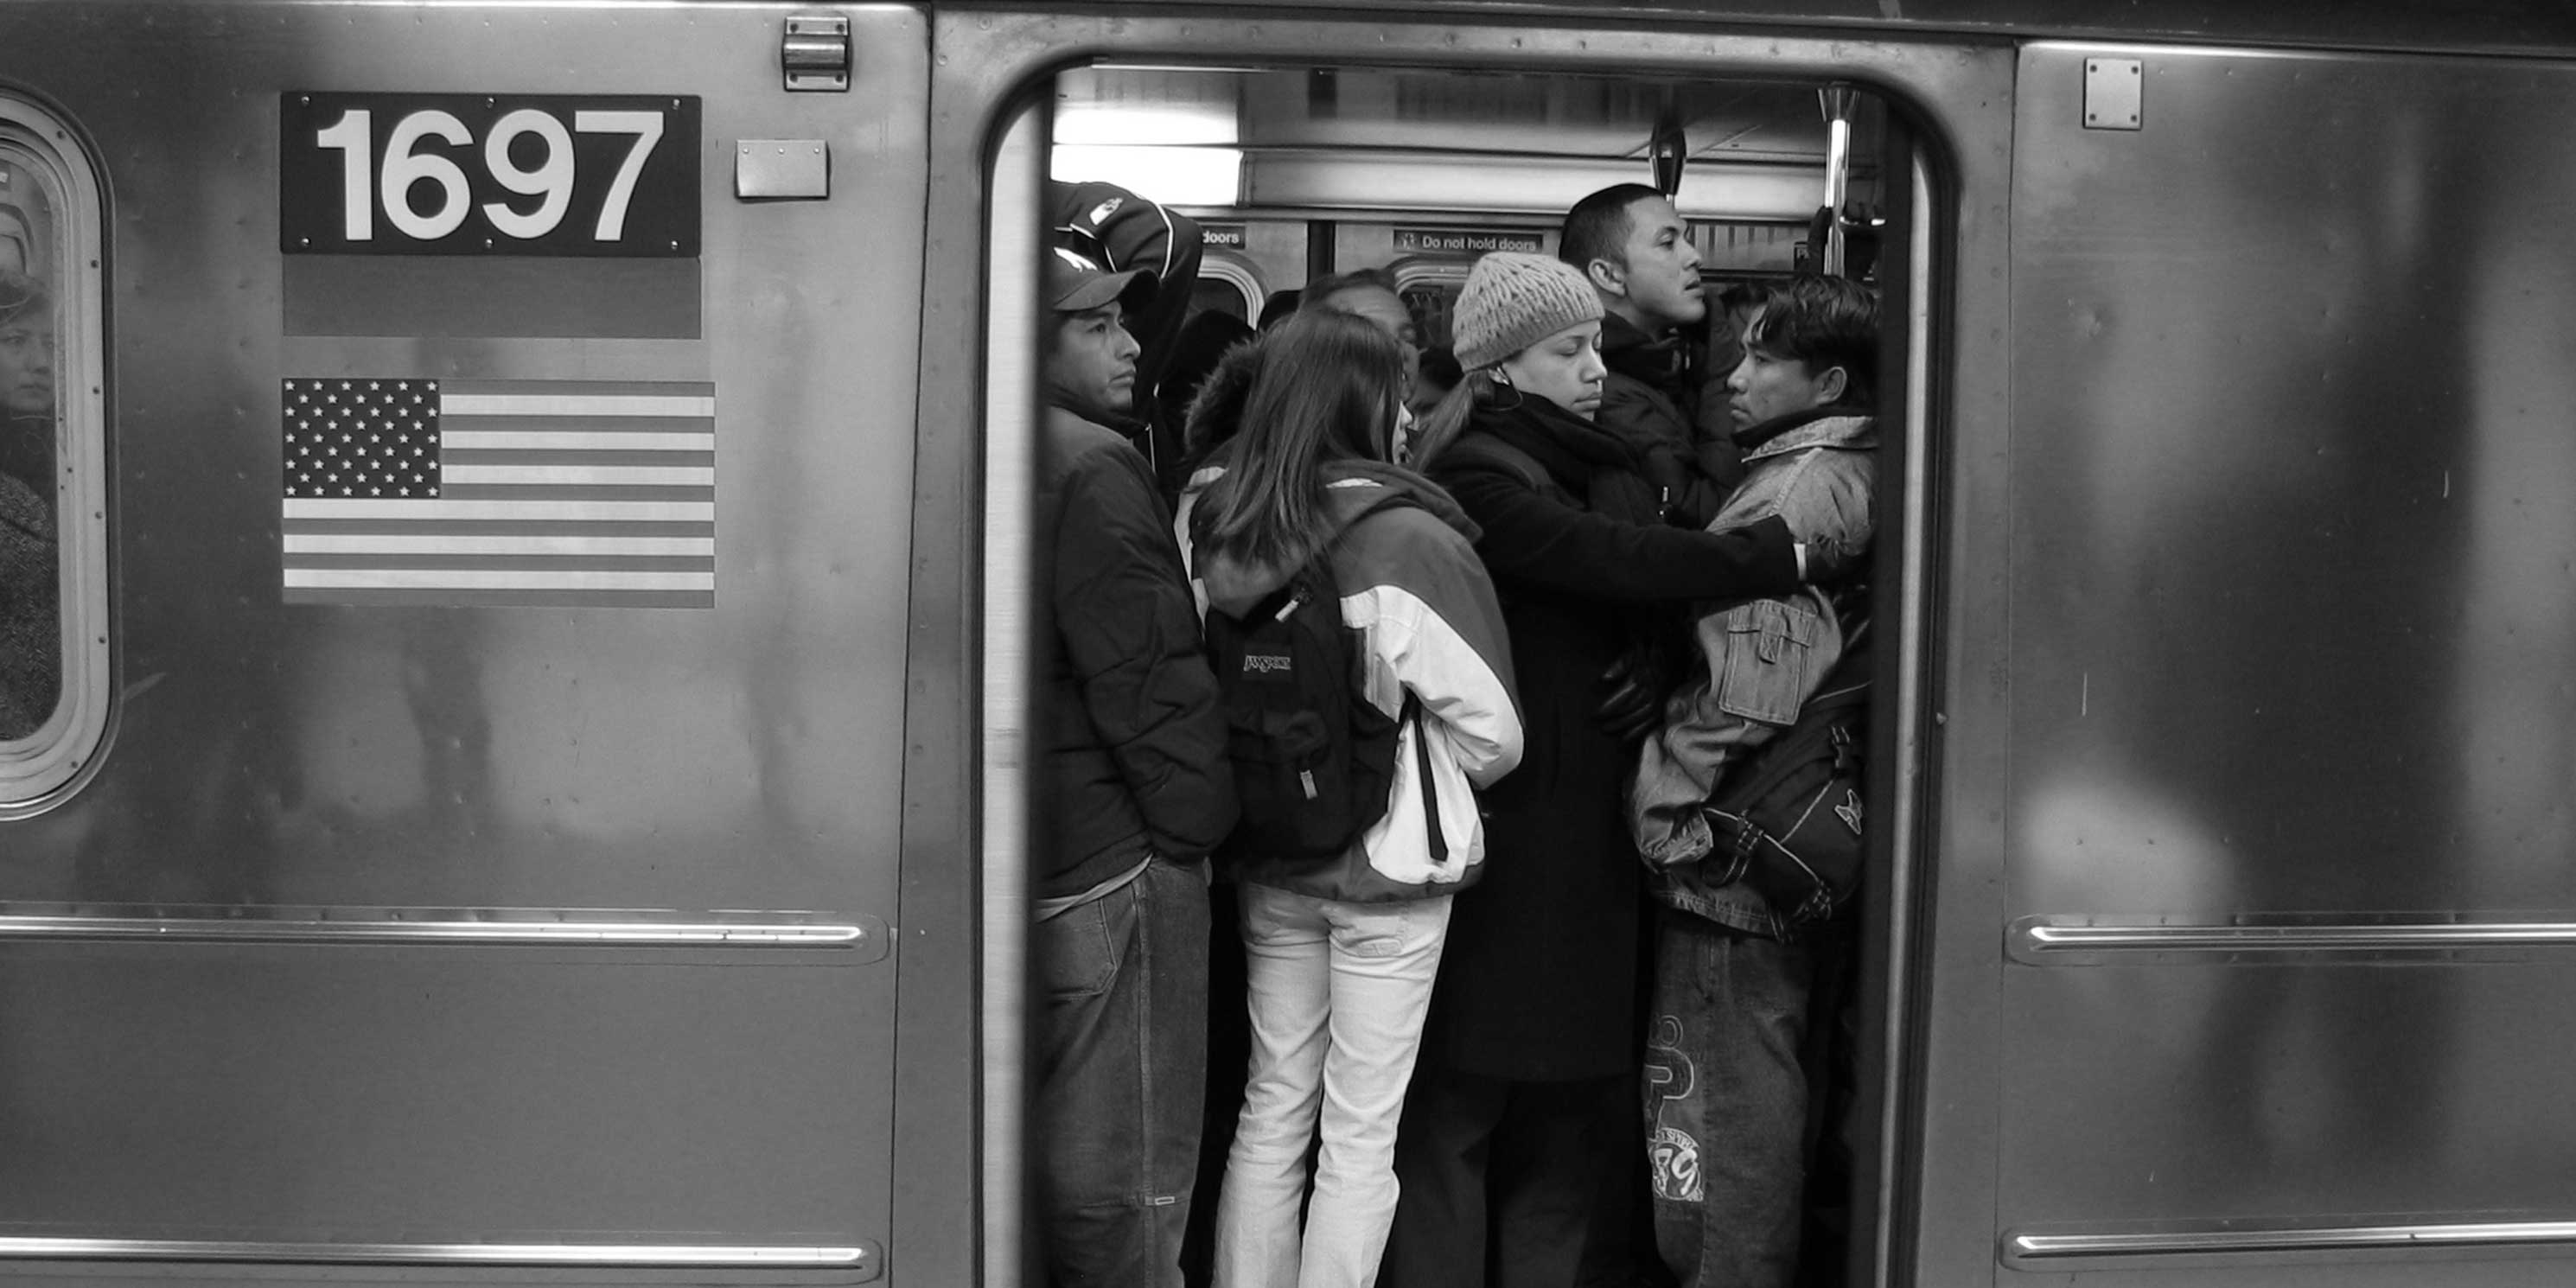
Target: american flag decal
<point x="541" y="492"/>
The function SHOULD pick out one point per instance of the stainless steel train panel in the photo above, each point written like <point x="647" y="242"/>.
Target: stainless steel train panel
<point x="340" y="1080"/>
<point x="2285" y="825"/>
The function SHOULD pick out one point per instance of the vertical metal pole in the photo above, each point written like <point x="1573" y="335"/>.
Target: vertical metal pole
<point x="1838" y="102"/>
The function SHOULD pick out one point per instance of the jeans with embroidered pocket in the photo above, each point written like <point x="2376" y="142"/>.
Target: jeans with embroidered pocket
<point x="1726" y="1102"/>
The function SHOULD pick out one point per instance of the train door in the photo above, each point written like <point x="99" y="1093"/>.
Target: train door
<point x="2279" y="859"/>
<point x="993" y="86"/>
<point x="466" y="843"/>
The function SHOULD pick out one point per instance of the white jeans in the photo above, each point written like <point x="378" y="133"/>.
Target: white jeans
<point x="1338" y="992"/>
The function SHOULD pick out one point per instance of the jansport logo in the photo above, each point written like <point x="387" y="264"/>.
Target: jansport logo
<point x="1268" y="664"/>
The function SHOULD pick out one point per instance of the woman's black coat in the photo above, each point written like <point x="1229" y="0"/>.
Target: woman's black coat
<point x="1538" y="980"/>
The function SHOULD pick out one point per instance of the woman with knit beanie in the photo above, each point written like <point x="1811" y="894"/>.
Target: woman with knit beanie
<point x="1521" y="1111"/>
<point x="1341" y="952"/>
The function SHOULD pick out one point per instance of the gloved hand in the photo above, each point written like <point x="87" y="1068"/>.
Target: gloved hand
<point x="1634" y="687"/>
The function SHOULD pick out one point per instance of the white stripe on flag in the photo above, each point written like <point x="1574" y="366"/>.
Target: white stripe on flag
<point x="493" y="440"/>
<point x="453" y="405"/>
<point x="301" y="543"/>
<point x="462" y="579"/>
<point x="409" y="508"/>
<point x="596" y="475"/>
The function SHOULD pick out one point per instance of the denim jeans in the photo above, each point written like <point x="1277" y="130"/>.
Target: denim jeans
<point x="1120" y="1044"/>
<point x="1726" y="1102"/>
<point x="1337" y="995"/>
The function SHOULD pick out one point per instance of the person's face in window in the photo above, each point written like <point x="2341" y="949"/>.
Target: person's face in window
<point x="1565" y="369"/>
<point x="1092" y="368"/>
<point x="27" y="367"/>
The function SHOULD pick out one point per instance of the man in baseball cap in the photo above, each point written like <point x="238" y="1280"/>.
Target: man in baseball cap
<point x="1090" y="367"/>
<point x="1130" y="789"/>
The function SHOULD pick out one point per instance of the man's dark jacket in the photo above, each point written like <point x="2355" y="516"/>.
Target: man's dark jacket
<point x="1644" y="401"/>
<point x="1131" y="747"/>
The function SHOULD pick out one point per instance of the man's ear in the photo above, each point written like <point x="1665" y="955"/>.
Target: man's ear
<point x="1830" y="386"/>
<point x="1608" y="277"/>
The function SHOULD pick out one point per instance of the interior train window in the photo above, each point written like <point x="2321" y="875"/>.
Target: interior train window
<point x="54" y="673"/>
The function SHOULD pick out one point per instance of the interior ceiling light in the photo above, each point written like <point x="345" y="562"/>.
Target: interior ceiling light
<point x="1173" y="176"/>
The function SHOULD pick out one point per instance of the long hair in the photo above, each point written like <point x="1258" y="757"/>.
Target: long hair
<point x="1478" y="390"/>
<point x="1327" y="391"/>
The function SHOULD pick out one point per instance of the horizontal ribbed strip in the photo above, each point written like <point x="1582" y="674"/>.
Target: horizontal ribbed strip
<point x="2237" y="1240"/>
<point x="448" y="508"/>
<point x="457" y="442"/>
<point x="491" y="579"/>
<point x="563" y="404"/>
<point x="300" y="543"/>
<point x="576" y="475"/>
<point x="639" y="1255"/>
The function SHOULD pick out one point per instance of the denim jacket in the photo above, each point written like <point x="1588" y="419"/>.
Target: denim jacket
<point x="1758" y="662"/>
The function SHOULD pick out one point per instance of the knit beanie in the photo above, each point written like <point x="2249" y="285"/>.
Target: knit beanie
<point x="1512" y="301"/>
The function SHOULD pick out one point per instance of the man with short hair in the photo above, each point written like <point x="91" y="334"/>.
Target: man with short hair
<point x="1633" y="247"/>
<point x="1726" y="1101"/>
<point x="1132" y="788"/>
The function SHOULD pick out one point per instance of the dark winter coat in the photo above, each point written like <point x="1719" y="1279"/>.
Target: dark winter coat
<point x="1538" y="979"/>
<point x="1646" y="400"/>
<point x="1129" y="742"/>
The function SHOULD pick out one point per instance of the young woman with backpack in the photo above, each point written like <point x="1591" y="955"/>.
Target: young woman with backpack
<point x="1300" y="508"/>
<point x="1523" y="1113"/>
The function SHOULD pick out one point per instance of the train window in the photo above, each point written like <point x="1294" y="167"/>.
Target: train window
<point x="54" y="672"/>
<point x="1227" y="287"/>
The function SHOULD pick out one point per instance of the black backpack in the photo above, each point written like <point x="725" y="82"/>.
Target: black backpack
<point x="1789" y="822"/>
<point x="1313" y="759"/>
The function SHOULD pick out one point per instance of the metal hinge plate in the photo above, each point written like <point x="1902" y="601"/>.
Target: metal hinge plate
<point x="2113" y="89"/>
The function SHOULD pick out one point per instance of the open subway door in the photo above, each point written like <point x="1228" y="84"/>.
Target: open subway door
<point x="1367" y="84"/>
<point x="492" y="870"/>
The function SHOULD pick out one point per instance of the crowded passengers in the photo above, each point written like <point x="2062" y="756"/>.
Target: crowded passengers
<point x="1456" y="715"/>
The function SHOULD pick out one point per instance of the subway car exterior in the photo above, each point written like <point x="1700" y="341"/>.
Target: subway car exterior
<point x="630" y="895"/>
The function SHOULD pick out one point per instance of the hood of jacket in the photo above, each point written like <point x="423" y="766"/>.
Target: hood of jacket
<point x="1216" y="412"/>
<point x="1353" y="490"/>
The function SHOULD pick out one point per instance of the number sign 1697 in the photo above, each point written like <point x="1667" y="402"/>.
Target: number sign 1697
<point x="406" y="166"/>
